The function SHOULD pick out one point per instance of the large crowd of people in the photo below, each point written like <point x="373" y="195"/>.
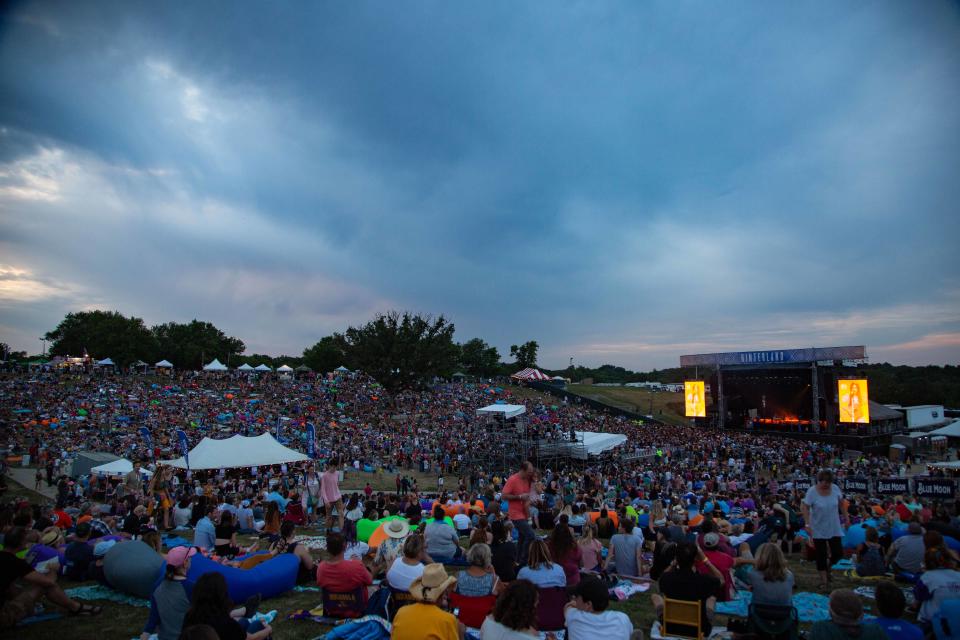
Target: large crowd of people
<point x="701" y="513"/>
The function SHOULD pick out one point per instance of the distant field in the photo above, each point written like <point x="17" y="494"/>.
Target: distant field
<point x="663" y="405"/>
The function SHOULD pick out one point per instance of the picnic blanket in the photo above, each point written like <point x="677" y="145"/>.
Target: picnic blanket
<point x="171" y="541"/>
<point x="100" y="592"/>
<point x="40" y="617"/>
<point x="474" y="634"/>
<point x="625" y="588"/>
<point x="314" y="543"/>
<point x="811" y="607"/>
<point x="871" y="592"/>
<point x="365" y="628"/>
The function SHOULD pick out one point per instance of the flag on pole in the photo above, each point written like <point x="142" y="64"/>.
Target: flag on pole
<point x="147" y="440"/>
<point x="184" y="446"/>
<point x="311" y="441"/>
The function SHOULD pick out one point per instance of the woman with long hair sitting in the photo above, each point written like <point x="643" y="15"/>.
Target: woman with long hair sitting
<point x="514" y="616"/>
<point x="770" y="580"/>
<point x="285" y="544"/>
<point x="590" y="548"/>
<point x="566" y="552"/>
<point x="210" y="604"/>
<point x="540" y="569"/>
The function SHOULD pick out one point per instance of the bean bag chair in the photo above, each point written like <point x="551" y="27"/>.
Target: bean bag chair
<point x="426" y="505"/>
<point x="380" y="534"/>
<point x="610" y="514"/>
<point x="366" y="527"/>
<point x="854" y="536"/>
<point x="133" y="568"/>
<point x="269" y="578"/>
<point x="643" y="520"/>
<point x="448" y="520"/>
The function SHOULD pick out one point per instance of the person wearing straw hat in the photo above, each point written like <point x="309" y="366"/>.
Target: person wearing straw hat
<point x="397" y="532"/>
<point x="425" y="619"/>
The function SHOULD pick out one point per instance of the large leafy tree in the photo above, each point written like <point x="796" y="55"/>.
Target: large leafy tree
<point x="402" y="349"/>
<point x="103" y="334"/>
<point x="478" y="358"/>
<point x="525" y="354"/>
<point x="327" y="354"/>
<point x="191" y="345"/>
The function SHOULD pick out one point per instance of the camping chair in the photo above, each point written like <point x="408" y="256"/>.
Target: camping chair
<point x="550" y="608"/>
<point x="351" y="604"/>
<point x="946" y="622"/>
<point x="399" y="599"/>
<point x="681" y="618"/>
<point x="472" y="609"/>
<point x="773" y="621"/>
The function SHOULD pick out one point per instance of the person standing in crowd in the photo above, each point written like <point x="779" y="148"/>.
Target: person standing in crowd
<point x="133" y="482"/>
<point x="516" y="492"/>
<point x="330" y="493"/>
<point x="312" y="502"/>
<point x="822" y="508"/>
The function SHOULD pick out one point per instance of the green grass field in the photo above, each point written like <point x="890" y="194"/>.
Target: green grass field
<point x="664" y="406"/>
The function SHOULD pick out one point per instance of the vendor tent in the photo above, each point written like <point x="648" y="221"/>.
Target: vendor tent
<point x="262" y="367"/>
<point x="530" y="374"/>
<point x="87" y="460"/>
<point x="164" y="364"/>
<point x="284" y="368"/>
<point x="304" y="369"/>
<point x="238" y="451"/>
<point x="342" y="369"/>
<point x="952" y="430"/>
<point x="106" y="362"/>
<point x="245" y="367"/>
<point x="216" y="365"/>
<point x="119" y="467"/>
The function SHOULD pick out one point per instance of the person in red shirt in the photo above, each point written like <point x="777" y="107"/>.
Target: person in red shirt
<point x="337" y="575"/>
<point x="516" y="492"/>
<point x="723" y="562"/>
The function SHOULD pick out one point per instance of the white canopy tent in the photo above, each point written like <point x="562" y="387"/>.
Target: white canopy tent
<point x="238" y="451"/>
<point x="262" y="367"/>
<point x="504" y="410"/>
<point x="953" y="464"/>
<point x="119" y="467"/>
<point x="245" y="367"/>
<point x="106" y="362"/>
<point x="164" y="364"/>
<point x="284" y="368"/>
<point x="342" y="369"/>
<point x="530" y="374"/>
<point x="952" y="430"/>
<point x="597" y="443"/>
<point x="216" y="365"/>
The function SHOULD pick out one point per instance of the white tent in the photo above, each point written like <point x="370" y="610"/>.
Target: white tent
<point x="245" y="367"/>
<point x="953" y="464"/>
<point x="238" y="451"/>
<point x="505" y="410"/>
<point x="284" y="368"/>
<point x="952" y="430"/>
<point x="106" y="362"/>
<point x="164" y="364"/>
<point x="262" y="367"/>
<point x="530" y="374"/>
<point x="216" y="365"/>
<point x="119" y="467"/>
<point x="342" y="369"/>
<point x="597" y="443"/>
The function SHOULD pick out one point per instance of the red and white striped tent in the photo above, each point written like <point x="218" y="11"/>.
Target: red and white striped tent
<point x="530" y="374"/>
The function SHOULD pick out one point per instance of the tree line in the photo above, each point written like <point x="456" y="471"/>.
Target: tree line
<point x="405" y="349"/>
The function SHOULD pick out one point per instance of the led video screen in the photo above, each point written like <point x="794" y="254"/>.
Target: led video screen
<point x="853" y="400"/>
<point x="694" y="399"/>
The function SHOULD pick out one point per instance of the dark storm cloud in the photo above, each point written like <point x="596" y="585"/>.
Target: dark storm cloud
<point x="623" y="183"/>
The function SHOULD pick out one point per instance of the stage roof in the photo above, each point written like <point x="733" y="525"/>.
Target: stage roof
<point x="506" y="410"/>
<point x="774" y="356"/>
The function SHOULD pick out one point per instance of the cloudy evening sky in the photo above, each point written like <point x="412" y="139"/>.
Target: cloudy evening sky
<point x="623" y="182"/>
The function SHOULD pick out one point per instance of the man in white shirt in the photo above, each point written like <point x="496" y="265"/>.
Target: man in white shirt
<point x="587" y="616"/>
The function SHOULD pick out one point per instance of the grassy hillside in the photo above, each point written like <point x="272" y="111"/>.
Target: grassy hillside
<point x="663" y="405"/>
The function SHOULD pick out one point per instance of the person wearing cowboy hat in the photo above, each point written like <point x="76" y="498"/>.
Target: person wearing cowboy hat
<point x="425" y="619"/>
<point x="397" y="532"/>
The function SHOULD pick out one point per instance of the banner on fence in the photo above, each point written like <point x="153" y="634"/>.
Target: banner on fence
<point x="941" y="488"/>
<point x="893" y="486"/>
